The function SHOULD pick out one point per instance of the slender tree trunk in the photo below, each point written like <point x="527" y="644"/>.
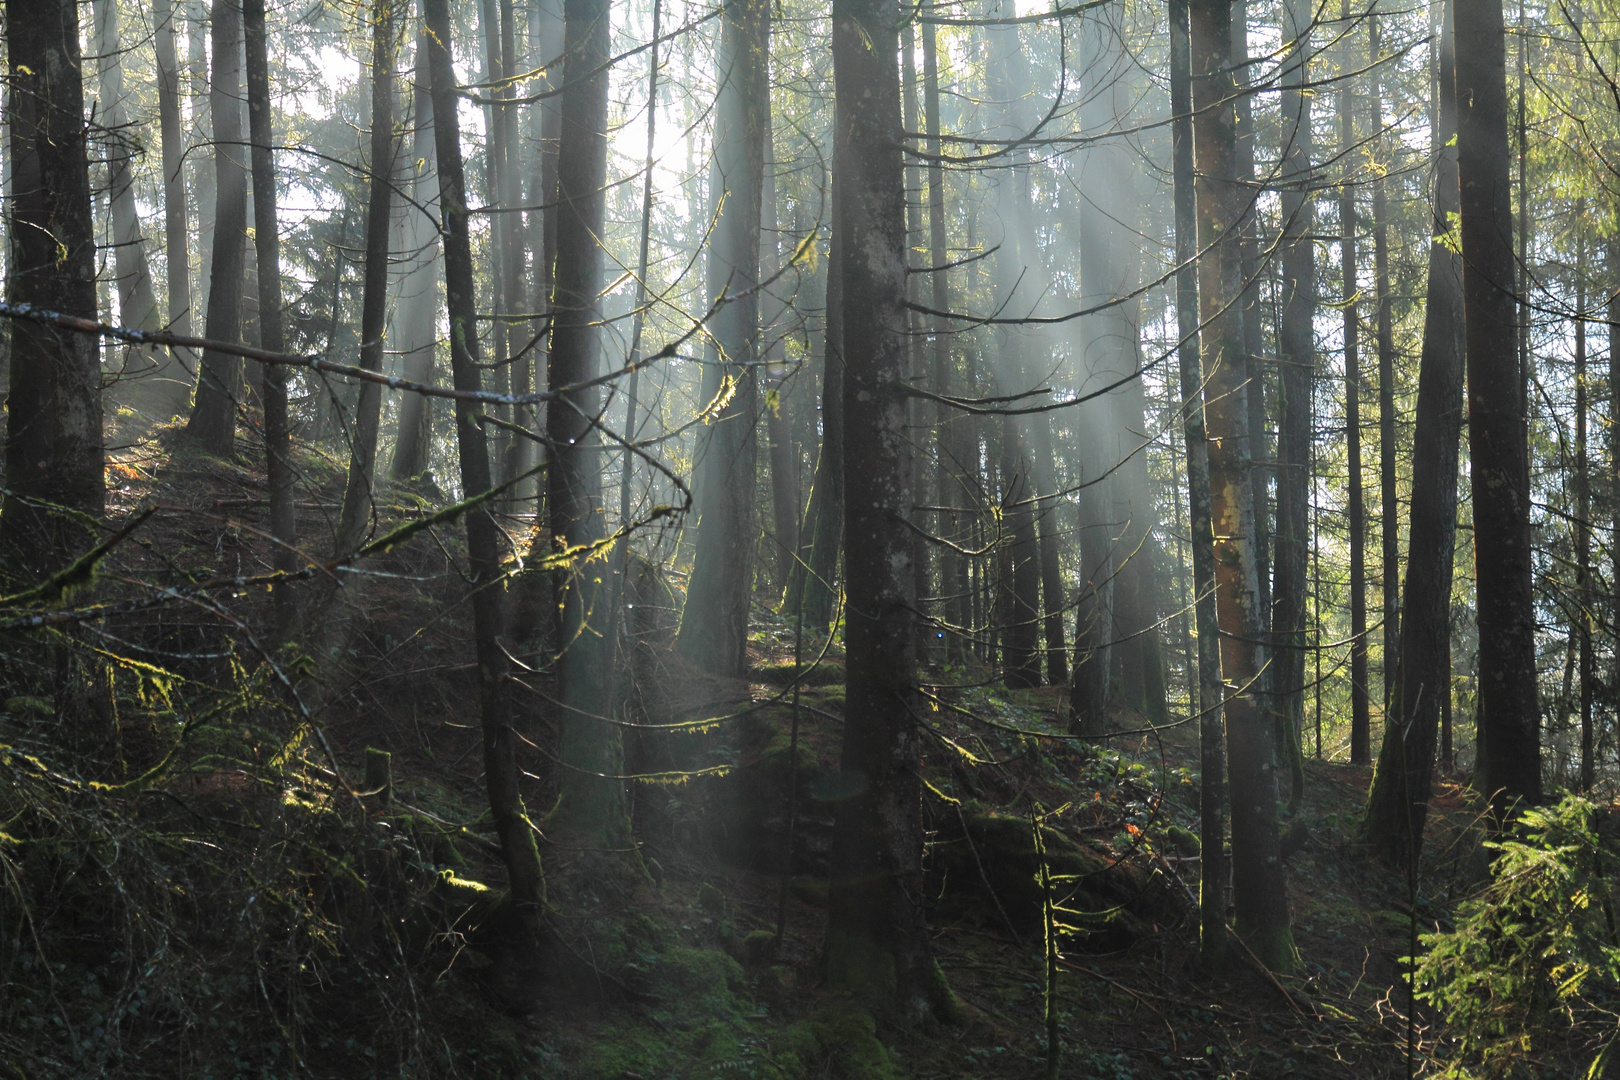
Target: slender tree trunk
<point x="202" y="166"/>
<point x="714" y="623"/>
<point x="877" y="936"/>
<point x="53" y="416"/>
<point x="1210" y="692"/>
<point x="511" y="819"/>
<point x="1583" y="510"/>
<point x="1509" y="714"/>
<point x="1360" y="715"/>
<point x="519" y="450"/>
<point x="213" y="413"/>
<point x="778" y="418"/>
<point x="1398" y="802"/>
<point x="811" y="590"/>
<point x="592" y="807"/>
<point x="137" y="302"/>
<point x="417" y="313"/>
<point x="1388" y="452"/>
<point x="949" y="490"/>
<point x="1253" y="320"/>
<point x="171" y="385"/>
<point x="273" y="377"/>
<point x="1257" y="869"/>
<point x="355" y="517"/>
<point x="1298" y="355"/>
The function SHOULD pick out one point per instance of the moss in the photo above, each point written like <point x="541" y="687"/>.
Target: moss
<point x="711" y="899"/>
<point x="838" y="1039"/>
<point x="1183" y="840"/>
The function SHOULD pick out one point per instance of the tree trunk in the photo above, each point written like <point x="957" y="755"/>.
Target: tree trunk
<point x="511" y="820"/>
<point x="714" y="623"/>
<point x="202" y="165"/>
<point x="1210" y="693"/>
<point x="273" y="384"/>
<point x="171" y="384"/>
<point x="778" y="419"/>
<point x="811" y="590"/>
<point x="1257" y="869"/>
<point x="1360" y="717"/>
<point x="355" y="517"/>
<point x="1297" y="345"/>
<point x="416" y="315"/>
<point x="1509" y="714"/>
<point x="1583" y="511"/>
<point x="592" y="807"/>
<point x="877" y="936"/>
<point x="213" y="413"/>
<point x="53" y="415"/>
<point x="137" y="302"/>
<point x="950" y="489"/>
<point x="1398" y="802"/>
<point x="1388" y="452"/>
<point x="1253" y="320"/>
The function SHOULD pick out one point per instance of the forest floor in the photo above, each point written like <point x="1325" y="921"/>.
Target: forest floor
<point x="198" y="896"/>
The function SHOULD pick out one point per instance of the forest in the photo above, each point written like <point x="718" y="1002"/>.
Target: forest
<point x="766" y="538"/>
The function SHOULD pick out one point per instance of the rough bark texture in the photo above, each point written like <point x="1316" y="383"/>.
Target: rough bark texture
<point x="1509" y="715"/>
<point x="273" y="377"/>
<point x="511" y="820"/>
<point x="53" y="416"/>
<point x="592" y="807"/>
<point x="1398" y="803"/>
<point x="213" y="412"/>
<point x="714" y="623"/>
<point x="1211" y="741"/>
<point x="355" y="517"/>
<point x="1257" y="870"/>
<point x="1389" y="512"/>
<point x="877" y="938"/>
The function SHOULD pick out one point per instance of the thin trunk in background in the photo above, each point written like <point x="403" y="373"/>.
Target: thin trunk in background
<point x="213" y="413"/>
<point x="53" y="416"/>
<point x="1210" y="692"/>
<point x="778" y="420"/>
<point x="1253" y="320"/>
<point x="171" y="383"/>
<point x="356" y="515"/>
<point x="1509" y="728"/>
<point x="714" y="623"/>
<point x="592" y="810"/>
<point x="416" y="316"/>
<point x="137" y="301"/>
<point x="201" y="165"/>
<point x="511" y="820"/>
<point x="1360" y="715"/>
<point x="1258" y="882"/>
<point x="519" y="450"/>
<point x="811" y="590"/>
<point x="1583" y="510"/>
<point x="1297" y="346"/>
<point x="950" y="488"/>
<point x="1398" y="803"/>
<point x="1388" y="452"/>
<point x="273" y="384"/>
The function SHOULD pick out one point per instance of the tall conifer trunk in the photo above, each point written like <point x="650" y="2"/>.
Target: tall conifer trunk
<point x="714" y="623"/>
<point x="513" y="828"/>
<point x="1360" y="715"/>
<point x="213" y="412"/>
<point x="1257" y="870"/>
<point x="356" y="514"/>
<point x="171" y="385"/>
<point x="877" y="936"/>
<point x="53" y="415"/>
<point x="1398" y="803"/>
<point x="592" y="808"/>
<point x="1509" y="722"/>
<point x="273" y="377"/>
